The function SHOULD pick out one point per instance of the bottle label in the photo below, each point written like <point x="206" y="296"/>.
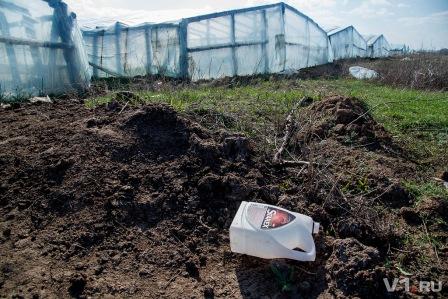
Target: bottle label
<point x="266" y="217"/>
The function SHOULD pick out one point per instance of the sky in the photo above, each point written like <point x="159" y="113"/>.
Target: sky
<point x="417" y="23"/>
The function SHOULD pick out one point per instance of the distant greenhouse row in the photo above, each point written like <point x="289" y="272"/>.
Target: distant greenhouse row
<point x="347" y="43"/>
<point x="42" y="49"/>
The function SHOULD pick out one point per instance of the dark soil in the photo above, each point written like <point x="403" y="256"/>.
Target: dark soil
<point x="137" y="201"/>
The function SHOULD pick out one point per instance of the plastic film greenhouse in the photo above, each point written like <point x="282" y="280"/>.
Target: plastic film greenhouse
<point x="377" y="46"/>
<point x="347" y="43"/>
<point x="41" y="49"/>
<point x="266" y="39"/>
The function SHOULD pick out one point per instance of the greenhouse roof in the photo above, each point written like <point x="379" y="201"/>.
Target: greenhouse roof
<point x="111" y="25"/>
<point x="371" y="39"/>
<point x="111" y="28"/>
<point x="336" y="30"/>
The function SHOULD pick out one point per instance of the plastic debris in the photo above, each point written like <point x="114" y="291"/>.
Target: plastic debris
<point x="362" y="73"/>
<point x="270" y="232"/>
<point x="40" y="99"/>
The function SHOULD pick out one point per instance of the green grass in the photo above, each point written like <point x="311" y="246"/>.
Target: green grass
<point x="252" y="109"/>
<point x="417" y="119"/>
<point x="425" y="190"/>
<point x="401" y="110"/>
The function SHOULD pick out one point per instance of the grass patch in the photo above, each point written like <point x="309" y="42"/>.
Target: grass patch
<point x="253" y="109"/>
<point x="425" y="190"/>
<point x="417" y="119"/>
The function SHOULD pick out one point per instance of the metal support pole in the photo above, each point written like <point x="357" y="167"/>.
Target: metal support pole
<point x="51" y="70"/>
<point x="264" y="36"/>
<point x="126" y="48"/>
<point x="282" y="30"/>
<point x="233" y="42"/>
<point x="33" y="43"/>
<point x="148" y="34"/>
<point x="183" y="45"/>
<point x="118" y="48"/>
<point x="308" y="38"/>
<point x="65" y="22"/>
<point x="10" y="51"/>
<point x="95" y="54"/>
<point x="352" y="41"/>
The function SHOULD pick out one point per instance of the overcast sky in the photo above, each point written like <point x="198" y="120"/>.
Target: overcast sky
<point x="414" y="22"/>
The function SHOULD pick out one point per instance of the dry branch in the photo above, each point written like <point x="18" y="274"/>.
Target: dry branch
<point x="289" y="128"/>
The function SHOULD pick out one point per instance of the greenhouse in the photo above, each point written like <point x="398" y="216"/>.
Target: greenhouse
<point x="377" y="46"/>
<point x="347" y="43"/>
<point x="259" y="40"/>
<point x="41" y="49"/>
<point x="398" y="49"/>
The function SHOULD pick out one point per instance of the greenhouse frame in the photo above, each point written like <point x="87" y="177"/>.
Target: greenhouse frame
<point x="347" y="42"/>
<point x="265" y="39"/>
<point x="377" y="46"/>
<point x="41" y="49"/>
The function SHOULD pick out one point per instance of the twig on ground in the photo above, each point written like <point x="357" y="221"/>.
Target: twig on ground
<point x="400" y="250"/>
<point x="172" y="279"/>
<point x="181" y="243"/>
<point x="124" y="107"/>
<point x="288" y="133"/>
<point x="307" y="272"/>
<point x="292" y="162"/>
<point x="203" y="224"/>
<point x="430" y="242"/>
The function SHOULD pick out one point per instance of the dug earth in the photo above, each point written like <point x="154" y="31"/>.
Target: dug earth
<point x="137" y="202"/>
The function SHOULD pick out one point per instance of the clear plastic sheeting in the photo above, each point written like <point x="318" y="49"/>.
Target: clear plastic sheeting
<point x="41" y="49"/>
<point x="377" y="46"/>
<point x="362" y="73"/>
<point x="347" y="43"/>
<point x="259" y="40"/>
<point x="124" y="51"/>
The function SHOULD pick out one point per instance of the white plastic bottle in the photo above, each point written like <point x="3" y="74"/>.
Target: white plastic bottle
<point x="269" y="232"/>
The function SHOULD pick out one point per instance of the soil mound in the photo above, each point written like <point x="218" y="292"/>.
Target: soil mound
<point x="351" y="156"/>
<point x="345" y="119"/>
<point x="158" y="132"/>
<point x="136" y="202"/>
<point x="116" y="187"/>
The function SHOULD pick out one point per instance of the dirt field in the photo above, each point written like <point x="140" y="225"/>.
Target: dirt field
<point x="122" y="201"/>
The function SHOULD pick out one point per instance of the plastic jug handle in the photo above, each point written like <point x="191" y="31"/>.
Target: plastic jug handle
<point x="309" y="256"/>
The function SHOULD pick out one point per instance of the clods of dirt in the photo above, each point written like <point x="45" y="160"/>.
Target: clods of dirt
<point x="118" y="189"/>
<point x="433" y="207"/>
<point x="347" y="120"/>
<point x="352" y="267"/>
<point x="136" y="201"/>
